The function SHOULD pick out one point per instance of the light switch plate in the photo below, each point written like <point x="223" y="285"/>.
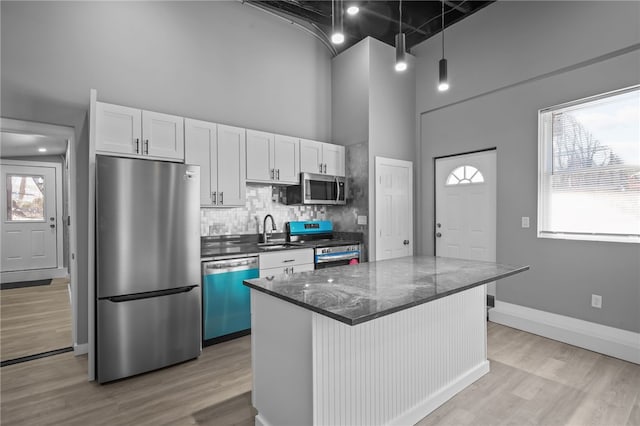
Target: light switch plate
<point x="525" y="221"/>
<point x="362" y="220"/>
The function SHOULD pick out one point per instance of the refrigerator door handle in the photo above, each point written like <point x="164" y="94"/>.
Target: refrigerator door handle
<point x="149" y="294"/>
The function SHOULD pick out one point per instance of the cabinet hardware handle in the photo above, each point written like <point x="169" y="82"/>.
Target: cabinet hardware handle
<point x="278" y="178"/>
<point x="325" y="168"/>
<point x="221" y="198"/>
<point x="273" y="174"/>
<point x="439" y="235"/>
<point x="52" y="226"/>
<point x="288" y="260"/>
<point x="146" y="143"/>
<point x="320" y="166"/>
<point x="214" y="198"/>
<point x="137" y="145"/>
<point x="405" y="242"/>
<point x="292" y="269"/>
<point x="286" y="270"/>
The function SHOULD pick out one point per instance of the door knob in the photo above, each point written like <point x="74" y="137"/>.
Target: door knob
<point x="405" y="242"/>
<point x="52" y="226"/>
<point x="439" y="225"/>
<point x="438" y="235"/>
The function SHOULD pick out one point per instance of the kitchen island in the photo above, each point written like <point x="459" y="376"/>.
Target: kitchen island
<point x="377" y="343"/>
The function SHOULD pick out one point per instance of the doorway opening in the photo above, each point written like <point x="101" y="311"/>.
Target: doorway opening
<point x="38" y="271"/>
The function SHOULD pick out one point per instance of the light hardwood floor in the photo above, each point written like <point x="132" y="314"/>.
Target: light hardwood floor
<point x="35" y="319"/>
<point x="533" y="381"/>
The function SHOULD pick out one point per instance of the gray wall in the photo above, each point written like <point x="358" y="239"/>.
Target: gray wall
<point x="373" y="105"/>
<point x="506" y="62"/>
<point x="219" y="61"/>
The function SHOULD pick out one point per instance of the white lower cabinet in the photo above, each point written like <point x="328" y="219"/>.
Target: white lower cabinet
<point x="286" y="262"/>
<point x="220" y="152"/>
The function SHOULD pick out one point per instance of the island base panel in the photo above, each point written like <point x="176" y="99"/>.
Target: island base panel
<point x="395" y="369"/>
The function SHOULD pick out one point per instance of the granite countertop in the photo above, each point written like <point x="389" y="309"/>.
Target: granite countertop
<point x="359" y="293"/>
<point x="230" y="246"/>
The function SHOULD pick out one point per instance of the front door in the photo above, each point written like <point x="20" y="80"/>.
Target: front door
<point x="29" y="219"/>
<point x="466" y="207"/>
<point x="394" y="208"/>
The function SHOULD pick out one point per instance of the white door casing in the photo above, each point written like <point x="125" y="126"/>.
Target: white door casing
<point x="394" y="208"/>
<point x="465" y="188"/>
<point x="31" y="216"/>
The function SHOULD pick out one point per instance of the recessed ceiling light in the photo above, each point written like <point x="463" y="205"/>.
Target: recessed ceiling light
<point x="42" y="149"/>
<point x="353" y="10"/>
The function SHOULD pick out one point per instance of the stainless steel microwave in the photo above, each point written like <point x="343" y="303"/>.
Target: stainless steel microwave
<point x="318" y="189"/>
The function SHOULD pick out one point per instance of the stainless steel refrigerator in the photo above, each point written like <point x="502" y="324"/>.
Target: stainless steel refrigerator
<point x="148" y="265"/>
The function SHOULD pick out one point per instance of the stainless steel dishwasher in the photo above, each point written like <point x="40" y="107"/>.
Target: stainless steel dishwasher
<point x="226" y="305"/>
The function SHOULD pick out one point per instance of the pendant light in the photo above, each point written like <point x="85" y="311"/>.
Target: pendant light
<point x="337" y="35"/>
<point x="401" y="54"/>
<point x="443" y="80"/>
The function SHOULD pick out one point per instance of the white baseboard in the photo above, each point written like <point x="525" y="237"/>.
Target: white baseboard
<point x="80" y="349"/>
<point x="600" y="338"/>
<point x="260" y="421"/>
<point x="33" y="275"/>
<point x="421" y="410"/>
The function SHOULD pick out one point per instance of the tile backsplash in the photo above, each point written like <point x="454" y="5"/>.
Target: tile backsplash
<point x="263" y="199"/>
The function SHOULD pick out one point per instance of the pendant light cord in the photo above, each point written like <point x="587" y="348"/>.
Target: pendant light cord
<point x="400" y="21"/>
<point x="442" y="29"/>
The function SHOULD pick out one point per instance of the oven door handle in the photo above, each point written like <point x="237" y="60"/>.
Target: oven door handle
<point x="337" y="190"/>
<point x="325" y="258"/>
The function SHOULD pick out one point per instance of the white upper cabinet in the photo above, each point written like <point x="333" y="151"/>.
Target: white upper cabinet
<point x="286" y="159"/>
<point x="136" y="133"/>
<point x="163" y="135"/>
<point x="220" y="152"/>
<point x="272" y="158"/>
<point x="118" y="129"/>
<point x="320" y="157"/>
<point x="259" y="164"/>
<point x="231" y="166"/>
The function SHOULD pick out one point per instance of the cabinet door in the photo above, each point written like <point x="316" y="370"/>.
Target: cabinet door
<point x="310" y="156"/>
<point x="286" y="159"/>
<point x="333" y="158"/>
<point x="118" y="129"/>
<point x="259" y="156"/>
<point x="163" y="135"/>
<point x="231" y="166"/>
<point x="199" y="149"/>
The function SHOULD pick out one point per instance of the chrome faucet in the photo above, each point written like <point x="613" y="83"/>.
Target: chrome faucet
<point x="265" y="236"/>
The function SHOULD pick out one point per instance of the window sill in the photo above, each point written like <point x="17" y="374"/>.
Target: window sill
<point x="587" y="237"/>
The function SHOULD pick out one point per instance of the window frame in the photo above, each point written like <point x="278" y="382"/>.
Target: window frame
<point x="545" y="163"/>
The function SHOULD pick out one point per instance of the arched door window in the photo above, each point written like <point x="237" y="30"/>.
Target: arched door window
<point x="464" y="175"/>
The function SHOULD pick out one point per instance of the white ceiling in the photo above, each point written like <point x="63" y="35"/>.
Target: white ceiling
<point x="27" y="145"/>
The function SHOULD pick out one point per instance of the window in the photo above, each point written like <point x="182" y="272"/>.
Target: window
<point x="589" y="168"/>
<point x="25" y="198"/>
<point x="464" y="175"/>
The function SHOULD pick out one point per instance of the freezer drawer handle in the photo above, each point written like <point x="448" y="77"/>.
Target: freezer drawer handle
<point x="149" y="294"/>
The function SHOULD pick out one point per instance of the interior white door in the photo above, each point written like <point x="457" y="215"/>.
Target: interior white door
<point x="466" y="207"/>
<point x="394" y="208"/>
<point x="29" y="222"/>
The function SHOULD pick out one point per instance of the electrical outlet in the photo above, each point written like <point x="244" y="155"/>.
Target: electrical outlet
<point x="596" y="301"/>
<point x="525" y="221"/>
<point x="362" y="220"/>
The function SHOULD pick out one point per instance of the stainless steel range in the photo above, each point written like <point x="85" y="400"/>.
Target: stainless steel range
<point x="329" y="251"/>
